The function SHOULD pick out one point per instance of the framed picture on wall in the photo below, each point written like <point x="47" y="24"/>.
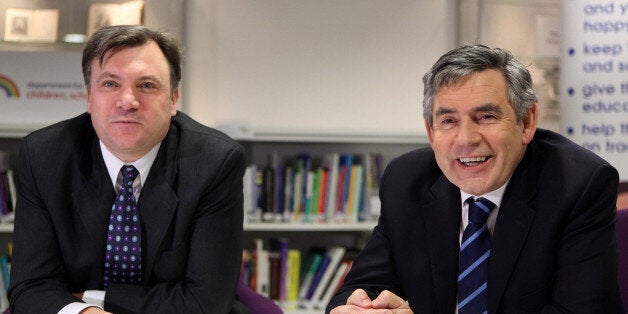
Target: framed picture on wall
<point x="107" y="14"/>
<point x="31" y="25"/>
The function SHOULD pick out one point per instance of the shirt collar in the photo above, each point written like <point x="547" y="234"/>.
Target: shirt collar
<point x="493" y="196"/>
<point x="142" y="165"/>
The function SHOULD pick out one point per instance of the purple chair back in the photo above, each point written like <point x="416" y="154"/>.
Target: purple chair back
<point x="255" y="302"/>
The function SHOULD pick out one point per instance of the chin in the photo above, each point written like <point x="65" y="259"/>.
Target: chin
<point x="476" y="188"/>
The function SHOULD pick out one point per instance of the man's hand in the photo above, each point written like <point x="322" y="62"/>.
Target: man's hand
<point x="386" y="302"/>
<point x="94" y="310"/>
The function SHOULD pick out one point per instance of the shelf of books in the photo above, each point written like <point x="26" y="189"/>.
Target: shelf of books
<point x="307" y="214"/>
<point x="7" y="194"/>
<point x="299" y="281"/>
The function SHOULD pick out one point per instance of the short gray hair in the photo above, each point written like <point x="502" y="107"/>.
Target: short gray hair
<point x="465" y="60"/>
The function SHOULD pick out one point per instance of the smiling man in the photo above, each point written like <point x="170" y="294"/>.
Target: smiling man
<point x="131" y="207"/>
<point x="497" y="216"/>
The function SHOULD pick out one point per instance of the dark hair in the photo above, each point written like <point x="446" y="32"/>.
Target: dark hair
<point x="469" y="59"/>
<point x="112" y="37"/>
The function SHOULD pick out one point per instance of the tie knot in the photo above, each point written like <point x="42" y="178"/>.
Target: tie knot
<point x="129" y="173"/>
<point x="479" y="210"/>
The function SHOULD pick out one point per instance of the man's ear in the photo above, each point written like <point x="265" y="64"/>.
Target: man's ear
<point x="529" y="123"/>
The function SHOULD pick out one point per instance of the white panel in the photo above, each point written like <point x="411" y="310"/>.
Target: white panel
<point x="305" y="66"/>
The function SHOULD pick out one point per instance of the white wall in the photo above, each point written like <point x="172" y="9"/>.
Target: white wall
<point x="326" y="66"/>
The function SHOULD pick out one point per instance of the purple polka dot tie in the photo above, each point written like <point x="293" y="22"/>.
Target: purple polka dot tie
<point x="124" y="243"/>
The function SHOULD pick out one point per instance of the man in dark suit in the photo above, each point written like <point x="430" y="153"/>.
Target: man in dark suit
<point x="548" y="223"/>
<point x="187" y="196"/>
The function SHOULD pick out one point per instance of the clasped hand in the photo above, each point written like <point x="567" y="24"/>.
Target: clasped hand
<point x="386" y="302"/>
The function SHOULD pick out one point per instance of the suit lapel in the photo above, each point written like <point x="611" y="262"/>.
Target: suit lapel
<point x="158" y="200"/>
<point x="92" y="202"/>
<point x="511" y="229"/>
<point x="442" y="222"/>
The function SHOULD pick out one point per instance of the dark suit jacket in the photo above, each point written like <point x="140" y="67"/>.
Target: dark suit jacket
<point x="190" y="208"/>
<point x="554" y="246"/>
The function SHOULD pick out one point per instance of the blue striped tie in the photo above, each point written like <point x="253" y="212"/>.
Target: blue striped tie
<point x="474" y="252"/>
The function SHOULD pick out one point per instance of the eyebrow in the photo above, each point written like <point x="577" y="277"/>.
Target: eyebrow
<point x="490" y="107"/>
<point x="443" y="111"/>
<point x="106" y="75"/>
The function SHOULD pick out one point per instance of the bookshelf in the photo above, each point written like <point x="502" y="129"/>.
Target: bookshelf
<point x="302" y="236"/>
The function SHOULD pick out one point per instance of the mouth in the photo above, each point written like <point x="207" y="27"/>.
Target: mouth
<point x="125" y="121"/>
<point x="473" y="161"/>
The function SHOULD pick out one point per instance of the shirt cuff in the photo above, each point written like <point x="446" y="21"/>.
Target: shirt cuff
<point x="75" y="307"/>
<point x="94" y="297"/>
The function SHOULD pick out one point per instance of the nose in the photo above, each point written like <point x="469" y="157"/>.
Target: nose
<point x="468" y="133"/>
<point x="127" y="99"/>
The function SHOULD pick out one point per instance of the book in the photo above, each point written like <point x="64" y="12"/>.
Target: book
<point x="277" y="190"/>
<point x="334" y="284"/>
<point x="314" y="199"/>
<point x="248" y="192"/>
<point x="338" y="215"/>
<point x="322" y="197"/>
<point x="308" y="197"/>
<point x="4" y="301"/>
<point x="298" y="195"/>
<point x="5" y="266"/>
<point x="305" y="162"/>
<point x="245" y="267"/>
<point x="293" y="279"/>
<point x="316" y="257"/>
<point x="331" y="162"/>
<point x="355" y="193"/>
<point x="373" y="170"/>
<point x="281" y="247"/>
<point x="268" y="192"/>
<point x="262" y="268"/>
<point x="347" y="164"/>
<point x="334" y="254"/>
<point x="288" y="190"/>
<point x="274" y="261"/>
<point x="316" y="281"/>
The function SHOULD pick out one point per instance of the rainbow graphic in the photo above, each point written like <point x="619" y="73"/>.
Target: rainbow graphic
<point x="9" y="87"/>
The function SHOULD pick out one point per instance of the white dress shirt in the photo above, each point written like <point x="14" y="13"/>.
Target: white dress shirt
<point x="114" y="164"/>
<point x="494" y="196"/>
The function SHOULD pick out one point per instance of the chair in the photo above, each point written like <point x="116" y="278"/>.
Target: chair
<point x="255" y="302"/>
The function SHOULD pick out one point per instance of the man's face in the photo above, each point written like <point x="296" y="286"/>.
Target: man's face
<point x="476" y="138"/>
<point x="130" y="100"/>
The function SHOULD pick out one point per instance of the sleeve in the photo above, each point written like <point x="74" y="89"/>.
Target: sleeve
<point x="38" y="282"/>
<point x="586" y="276"/>
<point x="213" y="254"/>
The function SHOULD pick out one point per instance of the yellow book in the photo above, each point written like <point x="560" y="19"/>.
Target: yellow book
<point x="293" y="278"/>
<point x="355" y="186"/>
